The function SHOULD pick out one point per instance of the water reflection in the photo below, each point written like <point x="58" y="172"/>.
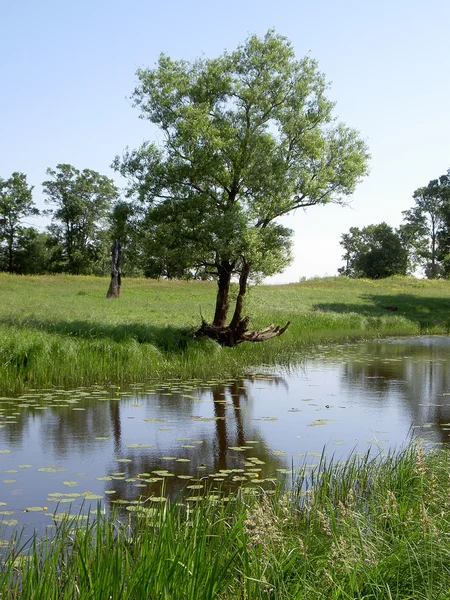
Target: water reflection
<point x="412" y="373"/>
<point x="183" y="437"/>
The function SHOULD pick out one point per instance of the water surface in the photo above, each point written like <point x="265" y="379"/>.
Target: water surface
<point x="67" y="448"/>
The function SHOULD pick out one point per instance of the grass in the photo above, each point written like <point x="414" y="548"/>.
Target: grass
<point x="366" y="529"/>
<point x="60" y="330"/>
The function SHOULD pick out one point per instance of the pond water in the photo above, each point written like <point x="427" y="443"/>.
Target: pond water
<point x="64" y="449"/>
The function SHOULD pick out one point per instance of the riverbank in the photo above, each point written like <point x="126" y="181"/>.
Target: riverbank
<point x="61" y="330"/>
<point x="367" y="529"/>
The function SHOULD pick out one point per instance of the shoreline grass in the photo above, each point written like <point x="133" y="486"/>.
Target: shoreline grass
<point x="61" y="331"/>
<point x="365" y="529"/>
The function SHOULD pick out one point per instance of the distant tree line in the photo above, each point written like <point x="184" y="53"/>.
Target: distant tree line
<point x="421" y="242"/>
<point x="86" y="214"/>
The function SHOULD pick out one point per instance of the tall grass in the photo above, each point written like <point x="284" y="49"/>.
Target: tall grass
<point x="365" y="529"/>
<point x="60" y="330"/>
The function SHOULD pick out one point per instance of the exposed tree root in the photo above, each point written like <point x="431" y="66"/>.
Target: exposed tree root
<point x="232" y="336"/>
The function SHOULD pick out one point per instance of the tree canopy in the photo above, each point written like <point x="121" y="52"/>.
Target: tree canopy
<point x="375" y="251"/>
<point x="81" y="200"/>
<point x="16" y="202"/>
<point x="427" y="227"/>
<point x="248" y="137"/>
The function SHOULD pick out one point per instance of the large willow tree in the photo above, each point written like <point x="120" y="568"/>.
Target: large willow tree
<point x="246" y="138"/>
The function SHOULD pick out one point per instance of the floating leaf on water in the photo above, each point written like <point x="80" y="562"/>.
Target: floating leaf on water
<point x="35" y="508"/>
<point x="239" y="448"/>
<point x="5" y="451"/>
<point x="110" y="491"/>
<point x="11" y="471"/>
<point x="124" y="460"/>
<point x="105" y="478"/>
<point x="168" y="458"/>
<point x="188" y="446"/>
<point x="62" y="516"/>
<point x="9" y="481"/>
<point x="140" y="446"/>
<point x="101" y="438"/>
<point x="91" y="496"/>
<point x="184" y="477"/>
<point x="24" y="466"/>
<point x="318" y="422"/>
<point x="195" y="498"/>
<point x="6" y="512"/>
<point x="145" y="510"/>
<point x="278" y="452"/>
<point x="157" y="499"/>
<point x="183" y="460"/>
<point x="52" y="470"/>
<point x="11" y="522"/>
<point x="195" y="487"/>
<point x="284" y="470"/>
<point x="78" y="409"/>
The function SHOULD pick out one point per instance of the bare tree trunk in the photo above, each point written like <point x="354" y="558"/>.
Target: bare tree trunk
<point x="116" y="273"/>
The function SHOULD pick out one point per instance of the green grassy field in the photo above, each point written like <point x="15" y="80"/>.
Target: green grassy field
<point x="61" y="330"/>
<point x="366" y="530"/>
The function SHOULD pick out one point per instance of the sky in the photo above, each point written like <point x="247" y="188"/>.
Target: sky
<point x="68" y="73"/>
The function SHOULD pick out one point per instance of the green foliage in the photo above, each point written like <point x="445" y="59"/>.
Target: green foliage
<point x="81" y="201"/>
<point x="376" y="251"/>
<point x="248" y="137"/>
<point x="427" y="227"/>
<point x="16" y="202"/>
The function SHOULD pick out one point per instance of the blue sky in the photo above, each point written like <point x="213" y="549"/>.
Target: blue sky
<point x="68" y="70"/>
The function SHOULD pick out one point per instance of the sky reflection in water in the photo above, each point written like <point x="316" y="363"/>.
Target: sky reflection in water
<point x="80" y="446"/>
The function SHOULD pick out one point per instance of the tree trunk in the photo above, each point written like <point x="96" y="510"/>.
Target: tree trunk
<point x="237" y="331"/>
<point x="243" y="278"/>
<point x="116" y="273"/>
<point x="222" y="300"/>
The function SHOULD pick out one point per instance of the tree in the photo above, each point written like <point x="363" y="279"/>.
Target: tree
<point x="82" y="200"/>
<point x="376" y="251"/>
<point x="125" y="222"/>
<point x="248" y="137"/>
<point x="427" y="226"/>
<point x="16" y="202"/>
<point x="34" y="252"/>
